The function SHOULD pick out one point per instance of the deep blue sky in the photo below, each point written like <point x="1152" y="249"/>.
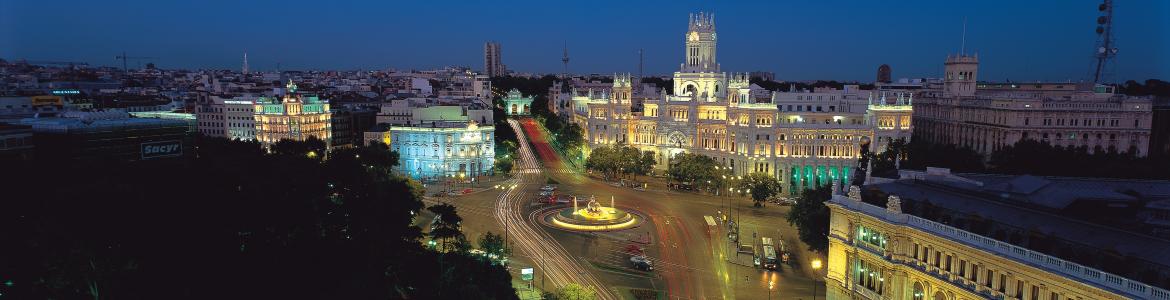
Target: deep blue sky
<point x="1047" y="40"/>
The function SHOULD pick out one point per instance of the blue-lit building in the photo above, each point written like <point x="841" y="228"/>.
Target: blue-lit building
<point x="453" y="142"/>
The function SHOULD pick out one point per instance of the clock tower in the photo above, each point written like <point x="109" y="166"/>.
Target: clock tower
<point x="699" y="76"/>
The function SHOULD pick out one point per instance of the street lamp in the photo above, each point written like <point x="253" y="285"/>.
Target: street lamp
<point x="816" y="265"/>
<point x="771" y="286"/>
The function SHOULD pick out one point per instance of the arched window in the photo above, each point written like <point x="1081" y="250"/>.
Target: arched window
<point x="939" y="295"/>
<point x="919" y="293"/>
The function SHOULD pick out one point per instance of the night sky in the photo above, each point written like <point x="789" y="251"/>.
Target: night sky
<point x="1044" y="40"/>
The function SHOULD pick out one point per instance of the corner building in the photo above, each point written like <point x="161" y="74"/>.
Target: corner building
<point x="293" y="117"/>
<point x="878" y="252"/>
<point x="804" y="139"/>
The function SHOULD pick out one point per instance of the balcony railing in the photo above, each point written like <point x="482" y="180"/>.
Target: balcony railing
<point x="1107" y="281"/>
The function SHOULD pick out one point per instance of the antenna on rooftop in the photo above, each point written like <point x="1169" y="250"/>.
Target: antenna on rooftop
<point x="640" y="66"/>
<point x="963" y="42"/>
<point x="1105" y="48"/>
<point x="565" y="60"/>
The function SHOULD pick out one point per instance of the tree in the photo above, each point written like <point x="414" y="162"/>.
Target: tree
<point x="620" y="159"/>
<point x="492" y="243"/>
<point x="602" y="159"/>
<point x="575" y="291"/>
<point x="254" y="224"/>
<point x="646" y="163"/>
<point x="311" y="147"/>
<point x="695" y="169"/>
<point x="811" y="218"/>
<point x="761" y="186"/>
<point x="446" y="225"/>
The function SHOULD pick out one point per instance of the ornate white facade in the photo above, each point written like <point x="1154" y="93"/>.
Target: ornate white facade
<point x="804" y="139"/>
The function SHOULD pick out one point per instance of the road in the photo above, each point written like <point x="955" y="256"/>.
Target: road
<point x="691" y="260"/>
<point x="525" y="235"/>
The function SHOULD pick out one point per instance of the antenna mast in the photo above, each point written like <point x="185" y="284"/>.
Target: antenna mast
<point x="565" y="60"/>
<point x="963" y="42"/>
<point x="1105" y="48"/>
<point x="640" y="67"/>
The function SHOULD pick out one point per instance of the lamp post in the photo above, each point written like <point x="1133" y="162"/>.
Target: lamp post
<point x="816" y="265"/>
<point x="771" y="286"/>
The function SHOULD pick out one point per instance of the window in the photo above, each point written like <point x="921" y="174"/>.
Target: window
<point x="871" y="237"/>
<point x="869" y="276"/>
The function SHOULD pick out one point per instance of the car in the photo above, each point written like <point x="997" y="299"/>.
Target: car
<point x="642" y="262"/>
<point x="548" y="188"/>
<point x="454" y="193"/>
<point x="546" y="193"/>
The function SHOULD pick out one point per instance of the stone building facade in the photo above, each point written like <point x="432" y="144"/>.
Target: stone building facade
<point x="805" y="139"/>
<point x="989" y="116"/>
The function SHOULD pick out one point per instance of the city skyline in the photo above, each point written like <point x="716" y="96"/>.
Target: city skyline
<point x="911" y="38"/>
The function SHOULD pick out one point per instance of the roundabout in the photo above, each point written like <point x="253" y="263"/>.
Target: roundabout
<point x="593" y="217"/>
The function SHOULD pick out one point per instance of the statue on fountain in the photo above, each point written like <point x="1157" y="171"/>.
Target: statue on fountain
<point x="593" y="208"/>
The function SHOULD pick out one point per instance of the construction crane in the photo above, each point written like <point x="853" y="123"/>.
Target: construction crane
<point x="123" y="57"/>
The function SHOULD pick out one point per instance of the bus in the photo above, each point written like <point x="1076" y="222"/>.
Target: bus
<point x="769" y="256"/>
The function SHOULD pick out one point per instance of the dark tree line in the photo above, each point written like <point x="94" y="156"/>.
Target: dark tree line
<point x="231" y="221"/>
<point x="1025" y="157"/>
<point x="1153" y="87"/>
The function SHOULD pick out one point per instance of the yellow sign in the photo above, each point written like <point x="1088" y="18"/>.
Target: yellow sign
<point x="47" y="100"/>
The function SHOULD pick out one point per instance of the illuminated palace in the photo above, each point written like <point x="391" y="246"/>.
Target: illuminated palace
<point x="452" y="141"/>
<point x="805" y="138"/>
<point x="942" y="236"/>
<point x="293" y="117"/>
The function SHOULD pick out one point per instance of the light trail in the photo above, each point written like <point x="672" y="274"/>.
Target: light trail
<point x="547" y="254"/>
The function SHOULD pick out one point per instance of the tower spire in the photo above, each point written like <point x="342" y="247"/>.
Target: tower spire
<point x="245" y="62"/>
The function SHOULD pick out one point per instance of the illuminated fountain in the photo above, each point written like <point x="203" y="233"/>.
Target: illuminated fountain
<point x="593" y="217"/>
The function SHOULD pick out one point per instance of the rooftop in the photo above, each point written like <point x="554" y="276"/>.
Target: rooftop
<point x="1091" y="221"/>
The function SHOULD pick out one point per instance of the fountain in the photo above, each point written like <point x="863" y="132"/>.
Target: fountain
<point x="593" y="217"/>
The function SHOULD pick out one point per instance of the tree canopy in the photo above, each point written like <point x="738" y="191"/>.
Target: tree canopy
<point x="695" y="169"/>
<point x="575" y="291"/>
<point x="811" y="218"/>
<point x="761" y="186"/>
<point x="230" y="221"/>
<point x="620" y="159"/>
